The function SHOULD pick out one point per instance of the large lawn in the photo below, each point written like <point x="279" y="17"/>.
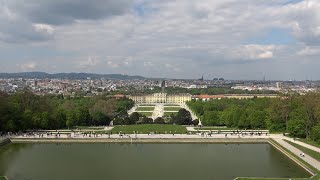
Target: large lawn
<point x="308" y="151"/>
<point x="172" y="108"/>
<point x="145" y="108"/>
<point x="147" y="128"/>
<point x="170" y="113"/>
<point x="148" y="114"/>
<point x="171" y="105"/>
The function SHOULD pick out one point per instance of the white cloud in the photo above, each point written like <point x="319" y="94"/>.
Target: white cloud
<point x="309" y="51"/>
<point x="90" y="62"/>
<point x="181" y="38"/>
<point x="43" y="28"/>
<point x="29" y="66"/>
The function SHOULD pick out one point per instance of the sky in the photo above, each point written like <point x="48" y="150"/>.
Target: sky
<point x="232" y="39"/>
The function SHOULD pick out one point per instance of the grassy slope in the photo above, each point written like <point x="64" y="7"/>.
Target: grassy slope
<point x="307" y="141"/>
<point x="308" y="151"/>
<point x="147" y="128"/>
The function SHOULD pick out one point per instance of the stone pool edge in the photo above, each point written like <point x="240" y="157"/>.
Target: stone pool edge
<point x="143" y="140"/>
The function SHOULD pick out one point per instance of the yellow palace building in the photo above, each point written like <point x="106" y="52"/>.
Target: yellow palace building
<point x="161" y="98"/>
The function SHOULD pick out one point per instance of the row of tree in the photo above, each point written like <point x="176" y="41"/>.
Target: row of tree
<point x="183" y="117"/>
<point x="24" y="111"/>
<point x="296" y="114"/>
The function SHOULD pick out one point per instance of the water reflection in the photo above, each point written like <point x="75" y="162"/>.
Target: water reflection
<point x="144" y="161"/>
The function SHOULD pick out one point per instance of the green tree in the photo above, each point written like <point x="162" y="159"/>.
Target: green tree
<point x="159" y="120"/>
<point x="183" y="117"/>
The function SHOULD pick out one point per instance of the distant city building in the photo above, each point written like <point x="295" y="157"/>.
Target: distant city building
<point x="279" y="85"/>
<point x="161" y="98"/>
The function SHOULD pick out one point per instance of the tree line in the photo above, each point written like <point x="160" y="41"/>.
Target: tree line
<point x="26" y="111"/>
<point x="183" y="117"/>
<point x="298" y="115"/>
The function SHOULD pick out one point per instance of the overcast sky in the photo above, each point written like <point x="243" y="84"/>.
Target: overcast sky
<point x="234" y="39"/>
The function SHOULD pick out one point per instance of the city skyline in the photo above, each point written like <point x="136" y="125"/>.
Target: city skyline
<point x="183" y="39"/>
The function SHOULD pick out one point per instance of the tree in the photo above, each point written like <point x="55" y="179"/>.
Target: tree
<point x="159" y="120"/>
<point x="135" y="117"/>
<point x="99" y="119"/>
<point x="315" y="133"/>
<point x="183" y="117"/>
<point x="146" y="120"/>
<point x="195" y="122"/>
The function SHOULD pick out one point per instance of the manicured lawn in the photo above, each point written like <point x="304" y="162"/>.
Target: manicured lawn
<point x="145" y="109"/>
<point x="148" y="114"/>
<point x="171" y="105"/>
<point x="169" y="113"/>
<point x="308" y="141"/>
<point x="147" y="128"/>
<point x="146" y="105"/>
<point x="172" y="108"/>
<point x="308" y="151"/>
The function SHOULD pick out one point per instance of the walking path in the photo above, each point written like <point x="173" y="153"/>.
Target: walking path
<point x="303" y="144"/>
<point x="297" y="152"/>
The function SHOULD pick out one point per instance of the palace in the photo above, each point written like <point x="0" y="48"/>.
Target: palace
<point x="161" y="98"/>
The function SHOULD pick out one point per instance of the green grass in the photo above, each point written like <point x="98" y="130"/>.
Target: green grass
<point x="146" y="105"/>
<point x="169" y="113"/>
<point x="308" y="151"/>
<point x="308" y="141"/>
<point x="145" y="109"/>
<point x="171" y="105"/>
<point x="147" y="128"/>
<point x="172" y="108"/>
<point x="3" y="178"/>
<point x="146" y="113"/>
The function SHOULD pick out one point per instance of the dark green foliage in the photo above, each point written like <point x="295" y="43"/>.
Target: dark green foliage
<point x="24" y="111"/>
<point x="146" y="120"/>
<point x="296" y="114"/>
<point x="159" y="120"/>
<point x="183" y="117"/>
<point x="315" y="133"/>
<point x="195" y="122"/>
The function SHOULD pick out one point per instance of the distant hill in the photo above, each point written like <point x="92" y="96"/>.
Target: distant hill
<point x="43" y="75"/>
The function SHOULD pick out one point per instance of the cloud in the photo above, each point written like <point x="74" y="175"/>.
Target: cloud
<point x="35" y="21"/>
<point x="309" y="51"/>
<point x="180" y="38"/>
<point x="43" y="28"/>
<point x="29" y="66"/>
<point x="68" y="11"/>
<point x="90" y="62"/>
